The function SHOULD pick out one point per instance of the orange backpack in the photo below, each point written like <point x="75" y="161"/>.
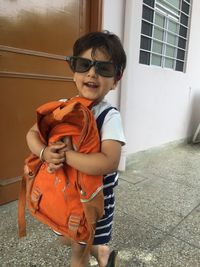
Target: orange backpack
<point x="68" y="201"/>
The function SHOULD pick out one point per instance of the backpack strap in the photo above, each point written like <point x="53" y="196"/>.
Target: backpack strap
<point x="21" y="208"/>
<point x="101" y="117"/>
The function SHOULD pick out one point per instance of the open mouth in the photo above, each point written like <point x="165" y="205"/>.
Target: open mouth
<point x="91" y="85"/>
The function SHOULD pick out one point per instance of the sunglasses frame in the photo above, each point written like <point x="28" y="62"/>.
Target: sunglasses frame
<point x="94" y="63"/>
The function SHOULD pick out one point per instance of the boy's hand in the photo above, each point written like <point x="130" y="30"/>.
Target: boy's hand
<point x="68" y="142"/>
<point x="52" y="153"/>
<point x="55" y="153"/>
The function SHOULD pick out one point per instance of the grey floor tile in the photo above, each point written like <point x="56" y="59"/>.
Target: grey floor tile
<point x="38" y="248"/>
<point x="157" y="202"/>
<point x="140" y="234"/>
<point x="157" y="219"/>
<point x="180" y="164"/>
<point x="189" y="229"/>
<point x="173" y="252"/>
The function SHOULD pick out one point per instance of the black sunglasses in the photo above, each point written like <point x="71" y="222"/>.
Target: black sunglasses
<point x="81" y="65"/>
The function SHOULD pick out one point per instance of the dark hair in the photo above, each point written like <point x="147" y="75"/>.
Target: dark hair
<point x="108" y="43"/>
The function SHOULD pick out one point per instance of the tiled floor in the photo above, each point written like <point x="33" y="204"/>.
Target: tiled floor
<point x="157" y="221"/>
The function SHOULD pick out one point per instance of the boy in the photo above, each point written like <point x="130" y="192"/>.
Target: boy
<point x="98" y="63"/>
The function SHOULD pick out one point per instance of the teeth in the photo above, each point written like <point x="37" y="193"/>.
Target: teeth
<point x="90" y="84"/>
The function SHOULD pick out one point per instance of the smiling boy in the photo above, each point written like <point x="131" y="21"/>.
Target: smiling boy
<point x="98" y="63"/>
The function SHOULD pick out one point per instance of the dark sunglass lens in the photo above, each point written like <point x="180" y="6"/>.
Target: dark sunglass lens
<point x="103" y="68"/>
<point x="72" y="63"/>
<point x="106" y="69"/>
<point x="82" y="64"/>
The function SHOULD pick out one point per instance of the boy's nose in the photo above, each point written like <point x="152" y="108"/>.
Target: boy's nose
<point x="92" y="72"/>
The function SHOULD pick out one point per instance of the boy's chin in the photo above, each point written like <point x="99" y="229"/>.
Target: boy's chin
<point x="90" y="98"/>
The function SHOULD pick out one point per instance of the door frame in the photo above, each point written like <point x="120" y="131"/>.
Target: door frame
<point x="96" y="15"/>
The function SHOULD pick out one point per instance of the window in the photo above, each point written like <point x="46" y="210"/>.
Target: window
<point x="164" y="33"/>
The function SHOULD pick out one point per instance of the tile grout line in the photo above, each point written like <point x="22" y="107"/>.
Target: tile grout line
<point x="171" y="231"/>
<point x="152" y="176"/>
<point x="123" y="179"/>
<point x="198" y="205"/>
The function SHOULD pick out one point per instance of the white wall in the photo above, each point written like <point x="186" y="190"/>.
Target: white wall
<point x="193" y="66"/>
<point x="113" y="21"/>
<point x="157" y="105"/>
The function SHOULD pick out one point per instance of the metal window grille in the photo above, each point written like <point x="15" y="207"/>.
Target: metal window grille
<point x="164" y="33"/>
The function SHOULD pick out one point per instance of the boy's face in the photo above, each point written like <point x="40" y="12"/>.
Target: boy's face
<point x="91" y="85"/>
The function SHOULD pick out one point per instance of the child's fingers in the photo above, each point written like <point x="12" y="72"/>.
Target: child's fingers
<point x="57" y="146"/>
<point x="53" y="156"/>
<point x="64" y="149"/>
<point x="58" y="159"/>
<point x="53" y="167"/>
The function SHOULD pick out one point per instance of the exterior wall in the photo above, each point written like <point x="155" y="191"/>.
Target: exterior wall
<point x="113" y="21"/>
<point x="193" y="68"/>
<point x="157" y="105"/>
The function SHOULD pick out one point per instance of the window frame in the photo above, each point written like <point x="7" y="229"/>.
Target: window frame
<point x="181" y="36"/>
